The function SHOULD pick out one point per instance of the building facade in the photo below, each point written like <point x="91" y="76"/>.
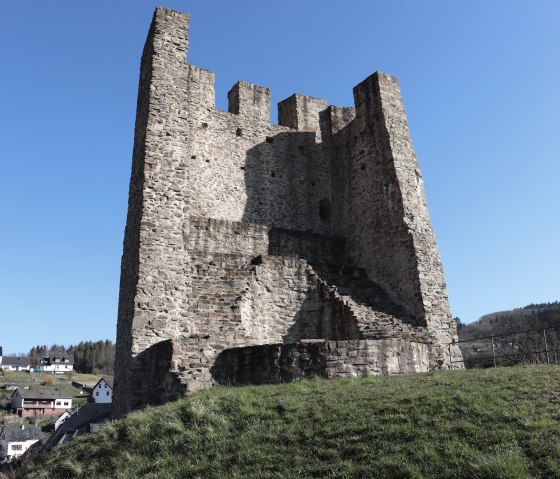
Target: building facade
<point x="102" y="392"/>
<point x="13" y="363"/>
<point x="14" y="442"/>
<point x="259" y="253"/>
<point x="41" y="401"/>
<point x="61" y="362"/>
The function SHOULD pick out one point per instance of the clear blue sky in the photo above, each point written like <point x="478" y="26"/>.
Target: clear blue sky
<point x="481" y="84"/>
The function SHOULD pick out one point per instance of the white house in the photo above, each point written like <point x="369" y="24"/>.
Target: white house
<point x="57" y="362"/>
<point x="60" y="421"/>
<point x="12" y="363"/>
<point x="103" y="391"/>
<point x="15" y="441"/>
<point x="84" y="420"/>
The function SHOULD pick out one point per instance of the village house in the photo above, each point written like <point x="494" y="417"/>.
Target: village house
<point x="15" y="441"/>
<point x="12" y="363"/>
<point x="102" y="392"/>
<point x="57" y="362"/>
<point x="40" y="401"/>
<point x="84" y="420"/>
<point x="60" y="421"/>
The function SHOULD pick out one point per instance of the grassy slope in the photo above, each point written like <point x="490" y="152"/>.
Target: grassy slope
<point x="500" y="423"/>
<point x="22" y="379"/>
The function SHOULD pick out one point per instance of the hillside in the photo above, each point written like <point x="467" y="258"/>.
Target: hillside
<point x="495" y="423"/>
<point x="532" y="316"/>
<point x="519" y="337"/>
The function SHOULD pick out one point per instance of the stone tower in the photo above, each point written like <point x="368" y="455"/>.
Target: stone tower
<point x="259" y="253"/>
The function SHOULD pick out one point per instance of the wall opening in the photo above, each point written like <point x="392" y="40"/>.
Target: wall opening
<point x="325" y="210"/>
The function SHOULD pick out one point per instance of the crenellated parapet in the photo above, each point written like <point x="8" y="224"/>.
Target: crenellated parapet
<point x="249" y="100"/>
<point x="244" y="234"/>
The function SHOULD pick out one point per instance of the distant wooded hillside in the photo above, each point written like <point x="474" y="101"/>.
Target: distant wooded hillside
<point x="515" y="339"/>
<point x="532" y="316"/>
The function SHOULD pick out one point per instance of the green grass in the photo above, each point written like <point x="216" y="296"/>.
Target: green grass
<point x="62" y="382"/>
<point x="499" y="423"/>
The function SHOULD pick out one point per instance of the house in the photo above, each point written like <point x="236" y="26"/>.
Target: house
<point x="84" y="420"/>
<point x="102" y="392"/>
<point x="12" y="363"/>
<point x="40" y="401"/>
<point x="15" y="441"/>
<point x="57" y="362"/>
<point x="60" y="421"/>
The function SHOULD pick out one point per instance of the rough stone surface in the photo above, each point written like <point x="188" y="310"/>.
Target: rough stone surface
<point x="259" y="253"/>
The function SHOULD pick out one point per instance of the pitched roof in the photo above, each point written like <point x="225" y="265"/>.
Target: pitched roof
<point x="109" y="381"/>
<point x="13" y="361"/>
<point x="14" y="434"/>
<point x="58" y="357"/>
<point x="43" y="393"/>
<point x="78" y="423"/>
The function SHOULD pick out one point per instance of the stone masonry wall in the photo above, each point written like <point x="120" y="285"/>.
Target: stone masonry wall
<point x="384" y="216"/>
<point x="241" y="233"/>
<point x="276" y="363"/>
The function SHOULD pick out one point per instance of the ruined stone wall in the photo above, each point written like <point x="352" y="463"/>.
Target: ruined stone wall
<point x="242" y="233"/>
<point x="382" y="211"/>
<point x="276" y="363"/>
<point x="243" y="168"/>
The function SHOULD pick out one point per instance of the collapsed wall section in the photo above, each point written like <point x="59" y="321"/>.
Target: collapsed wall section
<point x="277" y="363"/>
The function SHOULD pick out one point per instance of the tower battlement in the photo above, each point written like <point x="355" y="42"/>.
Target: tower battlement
<point x="245" y="238"/>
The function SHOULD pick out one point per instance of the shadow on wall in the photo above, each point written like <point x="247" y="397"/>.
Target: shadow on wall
<point x="288" y="188"/>
<point x="270" y="363"/>
<point x="287" y="182"/>
<point x="322" y="316"/>
<point x="154" y="382"/>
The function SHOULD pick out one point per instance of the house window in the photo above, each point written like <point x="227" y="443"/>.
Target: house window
<point x="107" y="393"/>
<point x="97" y="393"/>
<point x="66" y="403"/>
<point x="17" y="447"/>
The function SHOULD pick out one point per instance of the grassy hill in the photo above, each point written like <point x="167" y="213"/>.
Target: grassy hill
<point x="496" y="423"/>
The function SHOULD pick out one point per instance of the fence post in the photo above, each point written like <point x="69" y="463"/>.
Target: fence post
<point x="493" y="351"/>
<point x="546" y="347"/>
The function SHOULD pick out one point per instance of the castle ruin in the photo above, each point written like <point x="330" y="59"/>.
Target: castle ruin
<point x="259" y="253"/>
